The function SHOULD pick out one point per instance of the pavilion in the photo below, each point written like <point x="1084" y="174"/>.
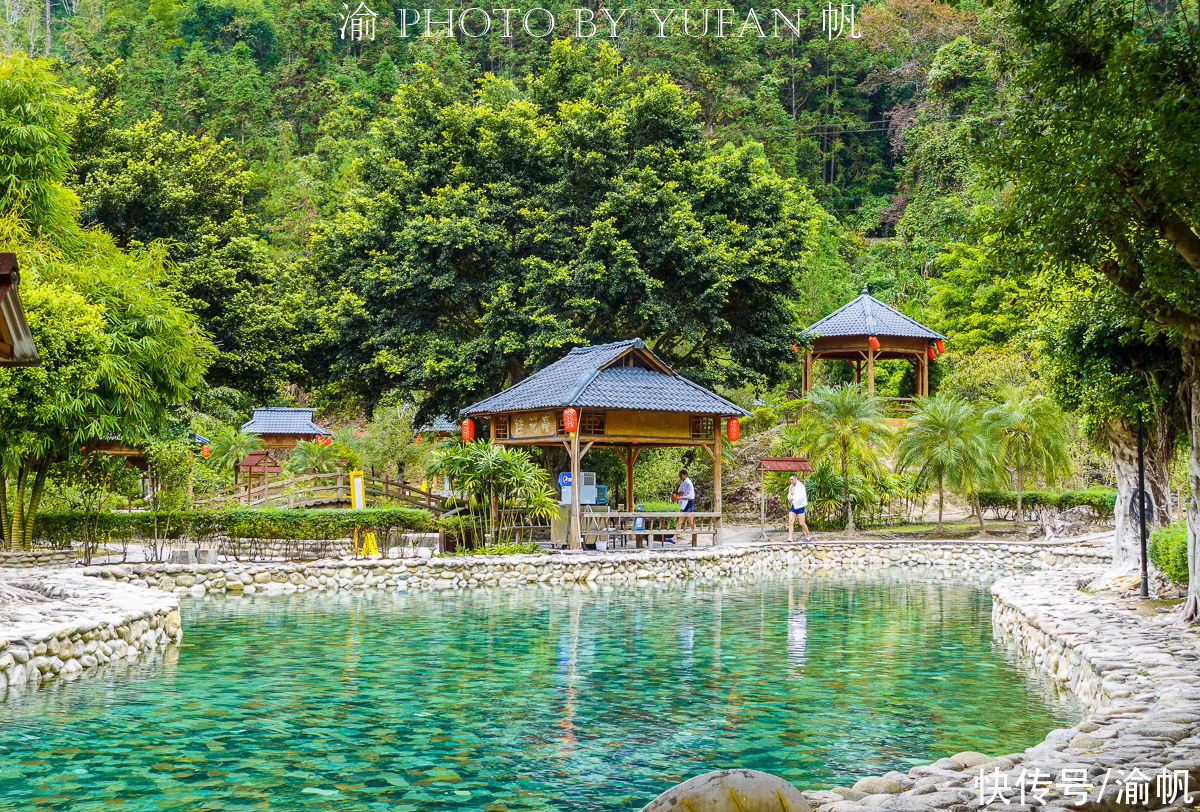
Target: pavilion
<point x="16" y="342"/>
<point x="626" y="399"/>
<point x="281" y="427"/>
<point x="866" y="330"/>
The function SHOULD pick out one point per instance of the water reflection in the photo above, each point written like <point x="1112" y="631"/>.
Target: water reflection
<point x="541" y="698"/>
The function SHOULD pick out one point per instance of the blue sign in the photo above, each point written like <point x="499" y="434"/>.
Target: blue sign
<point x="564" y="479"/>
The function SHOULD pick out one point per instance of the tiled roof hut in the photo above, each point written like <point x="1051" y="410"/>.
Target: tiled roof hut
<point x="627" y="399"/>
<point x="281" y="427"/>
<point x="846" y="333"/>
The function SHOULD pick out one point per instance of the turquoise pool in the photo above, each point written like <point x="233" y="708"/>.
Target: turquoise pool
<point x="539" y="699"/>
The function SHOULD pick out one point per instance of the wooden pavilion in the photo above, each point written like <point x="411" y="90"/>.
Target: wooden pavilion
<point x="626" y="399"/>
<point x="846" y="335"/>
<point x="16" y="342"/>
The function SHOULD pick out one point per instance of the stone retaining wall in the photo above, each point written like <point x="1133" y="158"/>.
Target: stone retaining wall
<point x="1137" y="674"/>
<point x="84" y="623"/>
<point x="36" y="558"/>
<point x="467" y="572"/>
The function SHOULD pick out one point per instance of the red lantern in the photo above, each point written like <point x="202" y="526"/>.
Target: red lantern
<point x="733" y="429"/>
<point x="205" y="451"/>
<point x="325" y="440"/>
<point x="941" y="348"/>
<point x="874" y="342"/>
<point x="419" y="438"/>
<point x="468" y="430"/>
<point x="795" y="348"/>
<point x="570" y="420"/>
<point x="932" y="353"/>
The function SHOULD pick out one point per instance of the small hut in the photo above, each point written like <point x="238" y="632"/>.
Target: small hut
<point x="16" y="342"/>
<point x="866" y="330"/>
<point x="624" y="398"/>
<point x="282" y="427"/>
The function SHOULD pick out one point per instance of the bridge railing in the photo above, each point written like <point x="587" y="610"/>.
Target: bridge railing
<point x="318" y="490"/>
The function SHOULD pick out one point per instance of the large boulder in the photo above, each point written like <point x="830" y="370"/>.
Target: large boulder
<point x="731" y="791"/>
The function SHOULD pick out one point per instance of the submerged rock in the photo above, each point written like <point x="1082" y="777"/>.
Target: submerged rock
<point x="731" y="791"/>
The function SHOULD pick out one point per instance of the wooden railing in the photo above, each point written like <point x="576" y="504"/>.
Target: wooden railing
<point x="642" y="527"/>
<point x="899" y="407"/>
<point x="318" y="490"/>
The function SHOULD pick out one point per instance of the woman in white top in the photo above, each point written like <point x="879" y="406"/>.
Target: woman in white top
<point x="797" y="503"/>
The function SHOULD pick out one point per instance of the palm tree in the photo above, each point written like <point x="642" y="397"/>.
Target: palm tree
<point x="230" y="446"/>
<point x="496" y="479"/>
<point x="947" y="442"/>
<point x="315" y="457"/>
<point x="1032" y="432"/>
<point x="846" y="425"/>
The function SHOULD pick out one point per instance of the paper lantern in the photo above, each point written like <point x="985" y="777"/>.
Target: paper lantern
<point x="941" y="348"/>
<point x="419" y="438"/>
<point x="325" y="440"/>
<point x="468" y="430"/>
<point x="570" y="420"/>
<point x="205" y="451"/>
<point x="932" y="353"/>
<point x="733" y="429"/>
<point x="874" y="342"/>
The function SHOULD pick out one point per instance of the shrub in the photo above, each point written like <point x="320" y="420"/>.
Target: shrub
<point x="201" y="526"/>
<point x="509" y="548"/>
<point x="1168" y="551"/>
<point x="1004" y="503"/>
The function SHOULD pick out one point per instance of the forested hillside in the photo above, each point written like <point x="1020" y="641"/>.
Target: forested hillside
<point x="775" y="175"/>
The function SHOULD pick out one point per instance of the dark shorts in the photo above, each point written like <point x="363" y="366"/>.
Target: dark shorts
<point x="688" y="506"/>
<point x="797" y="511"/>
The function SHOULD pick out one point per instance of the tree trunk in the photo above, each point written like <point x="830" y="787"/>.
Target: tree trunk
<point x="978" y="512"/>
<point x="1121" y="437"/>
<point x="846" y="494"/>
<point x="5" y="542"/>
<point x="941" y="500"/>
<point x="35" y="501"/>
<point x="18" y="512"/>
<point x="1191" y="398"/>
<point x="1019" y="519"/>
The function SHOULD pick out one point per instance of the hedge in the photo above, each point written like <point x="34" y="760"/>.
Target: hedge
<point x="1101" y="500"/>
<point x="1168" y="551"/>
<point x="61" y="529"/>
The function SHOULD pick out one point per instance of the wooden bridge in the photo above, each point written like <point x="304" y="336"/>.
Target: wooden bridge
<point x="319" y="490"/>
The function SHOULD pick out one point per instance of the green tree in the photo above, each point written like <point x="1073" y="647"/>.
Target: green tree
<point x="314" y="457"/>
<point x="1099" y="160"/>
<point x="489" y="235"/>
<point x="947" y="443"/>
<point x="118" y="354"/>
<point x="1032" y="433"/>
<point x="35" y="158"/>
<point x="230" y="446"/>
<point x="847" y="426"/>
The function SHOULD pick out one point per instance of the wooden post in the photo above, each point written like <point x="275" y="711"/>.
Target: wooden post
<point x="858" y="371"/>
<point x="630" y="458"/>
<point x="716" y="485"/>
<point x="870" y="372"/>
<point x="762" y="503"/>
<point x="575" y="542"/>
<point x="806" y="375"/>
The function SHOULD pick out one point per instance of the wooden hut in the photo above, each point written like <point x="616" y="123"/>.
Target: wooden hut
<point x="626" y="399"/>
<point x="282" y="427"/>
<point x="16" y="342"/>
<point x="846" y="335"/>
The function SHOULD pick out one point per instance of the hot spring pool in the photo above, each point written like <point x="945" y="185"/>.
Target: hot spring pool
<point x="539" y="699"/>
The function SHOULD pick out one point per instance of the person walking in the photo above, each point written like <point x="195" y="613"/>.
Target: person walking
<point x="686" y="496"/>
<point x="797" y="504"/>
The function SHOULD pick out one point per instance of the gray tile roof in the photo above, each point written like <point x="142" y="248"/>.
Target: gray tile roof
<point x="583" y="378"/>
<point x="282" y="420"/>
<point x="867" y="316"/>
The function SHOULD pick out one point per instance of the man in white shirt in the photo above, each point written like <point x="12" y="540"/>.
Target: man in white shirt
<point x="797" y="503"/>
<point x="686" y="496"/>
